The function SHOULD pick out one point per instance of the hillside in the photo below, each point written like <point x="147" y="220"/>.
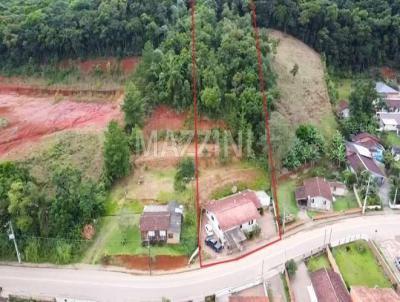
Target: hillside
<point x="304" y="98"/>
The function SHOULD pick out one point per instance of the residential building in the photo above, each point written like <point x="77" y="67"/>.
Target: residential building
<point x="161" y="223"/>
<point x="231" y="217"/>
<point x="371" y="142"/>
<point x="317" y="194"/>
<point x="360" y="159"/>
<point x="389" y="121"/>
<point x="343" y="110"/>
<point x="365" y="294"/>
<point x="248" y="299"/>
<point x="384" y="90"/>
<point x="329" y="287"/>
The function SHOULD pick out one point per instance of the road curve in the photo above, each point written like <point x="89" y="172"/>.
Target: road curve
<point x="95" y="285"/>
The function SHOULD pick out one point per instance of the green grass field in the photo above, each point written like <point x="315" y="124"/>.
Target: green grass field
<point x="286" y="196"/>
<point x="344" y="88"/>
<point x="315" y="263"/>
<point x="392" y="139"/>
<point x="345" y="203"/>
<point x="358" y="265"/>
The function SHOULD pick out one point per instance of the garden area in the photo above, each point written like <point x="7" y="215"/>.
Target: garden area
<point x="316" y="262"/>
<point x="345" y="203"/>
<point x="359" y="266"/>
<point x="286" y="199"/>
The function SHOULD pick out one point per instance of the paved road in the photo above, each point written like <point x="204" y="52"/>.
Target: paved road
<point x="194" y="285"/>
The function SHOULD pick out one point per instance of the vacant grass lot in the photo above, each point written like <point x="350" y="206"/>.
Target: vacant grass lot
<point x="358" y="265"/>
<point x="344" y="88"/>
<point x="345" y="203"/>
<point x="286" y="198"/>
<point x="315" y="263"/>
<point x="392" y="139"/>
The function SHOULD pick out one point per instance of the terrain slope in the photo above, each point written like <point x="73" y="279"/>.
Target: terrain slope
<point x="304" y="97"/>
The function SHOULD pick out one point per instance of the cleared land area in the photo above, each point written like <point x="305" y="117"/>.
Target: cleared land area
<point x="304" y="97"/>
<point x="315" y="263"/>
<point x="358" y="265"/>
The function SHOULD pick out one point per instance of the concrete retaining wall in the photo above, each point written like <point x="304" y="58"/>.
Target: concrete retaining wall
<point x="334" y="265"/>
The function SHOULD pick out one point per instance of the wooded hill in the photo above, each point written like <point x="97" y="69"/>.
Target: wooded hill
<point x="352" y="34"/>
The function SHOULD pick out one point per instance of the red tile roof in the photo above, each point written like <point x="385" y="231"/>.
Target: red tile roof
<point x="367" y="140"/>
<point x="328" y="286"/>
<point x="343" y="104"/>
<point x="313" y="187"/>
<point x="248" y="299"/>
<point x="154" y="221"/>
<point x="360" y="163"/>
<point x="365" y="294"/>
<point x="235" y="210"/>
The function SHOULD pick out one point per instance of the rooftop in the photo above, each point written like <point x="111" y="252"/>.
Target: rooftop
<point x="313" y="187"/>
<point x="382" y="88"/>
<point x="329" y="287"/>
<point x="235" y="210"/>
<point x="365" y="294"/>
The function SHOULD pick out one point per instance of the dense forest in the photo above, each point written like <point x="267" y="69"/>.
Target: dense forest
<point x="42" y="30"/>
<point x="228" y="85"/>
<point x="352" y="34"/>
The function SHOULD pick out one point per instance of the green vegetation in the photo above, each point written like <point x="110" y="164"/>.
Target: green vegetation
<point x="392" y="139"/>
<point x="184" y="174"/>
<point x="44" y="31"/>
<point x="228" y="86"/>
<point x="116" y="153"/>
<point x="286" y="198"/>
<point x="335" y="28"/>
<point x="315" y="263"/>
<point x="291" y="267"/>
<point x="358" y="265"/>
<point x="344" y="87"/>
<point x="308" y="146"/>
<point x="345" y="203"/>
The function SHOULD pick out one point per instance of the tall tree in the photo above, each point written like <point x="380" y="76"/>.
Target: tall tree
<point x="116" y="153"/>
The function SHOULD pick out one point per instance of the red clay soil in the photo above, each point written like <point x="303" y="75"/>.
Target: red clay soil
<point x="127" y="65"/>
<point x="23" y="89"/>
<point x="388" y="73"/>
<point x="163" y="263"/>
<point x="166" y="118"/>
<point x="30" y="118"/>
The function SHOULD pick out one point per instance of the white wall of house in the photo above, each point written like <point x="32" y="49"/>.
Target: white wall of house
<point x="345" y="113"/>
<point x="173" y="238"/>
<point x="388" y="125"/>
<point x="213" y="221"/>
<point x="319" y="203"/>
<point x="339" y="191"/>
<point x="248" y="226"/>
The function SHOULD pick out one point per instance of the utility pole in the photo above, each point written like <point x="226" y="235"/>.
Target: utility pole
<point x="11" y="236"/>
<point x="366" y="195"/>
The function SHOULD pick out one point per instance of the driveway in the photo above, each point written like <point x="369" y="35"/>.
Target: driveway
<point x="300" y="282"/>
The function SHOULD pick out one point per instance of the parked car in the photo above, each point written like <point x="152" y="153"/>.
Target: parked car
<point x="214" y="244"/>
<point x="397" y="262"/>
<point x="209" y="230"/>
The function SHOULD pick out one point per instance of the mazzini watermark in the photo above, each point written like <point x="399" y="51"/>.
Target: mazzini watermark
<point x="211" y="143"/>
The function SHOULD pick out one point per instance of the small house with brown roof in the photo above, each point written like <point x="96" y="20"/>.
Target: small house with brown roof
<point x="371" y="142"/>
<point x="317" y="194"/>
<point x="235" y="215"/>
<point x="161" y="223"/>
<point x="343" y="110"/>
<point x="329" y="287"/>
<point x="365" y="294"/>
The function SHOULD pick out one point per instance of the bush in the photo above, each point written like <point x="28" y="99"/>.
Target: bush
<point x="291" y="267"/>
<point x="361" y="248"/>
<point x="63" y="252"/>
<point x="31" y="251"/>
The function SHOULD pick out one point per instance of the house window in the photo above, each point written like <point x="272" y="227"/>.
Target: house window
<point x="324" y="202"/>
<point x="170" y="235"/>
<point x="151" y="234"/>
<point x="250" y="222"/>
<point x="219" y="227"/>
<point x="312" y="200"/>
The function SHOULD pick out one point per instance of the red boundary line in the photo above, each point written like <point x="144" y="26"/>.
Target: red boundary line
<point x="267" y="130"/>
<point x="195" y="113"/>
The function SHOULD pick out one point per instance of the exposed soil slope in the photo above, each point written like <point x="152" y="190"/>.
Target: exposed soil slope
<point x="304" y="98"/>
<point x="31" y="118"/>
